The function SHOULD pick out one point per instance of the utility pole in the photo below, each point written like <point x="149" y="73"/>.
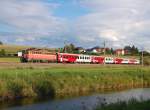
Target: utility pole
<point x="104" y="48"/>
<point x="104" y="51"/>
<point x="65" y="46"/>
<point x="142" y="58"/>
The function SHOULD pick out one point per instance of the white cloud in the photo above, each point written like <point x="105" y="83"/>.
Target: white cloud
<point x="110" y="35"/>
<point x="120" y="22"/>
<point x="31" y="18"/>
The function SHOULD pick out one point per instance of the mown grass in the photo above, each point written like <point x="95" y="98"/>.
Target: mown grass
<point x="9" y="59"/>
<point x="56" y="81"/>
<point x="132" y="104"/>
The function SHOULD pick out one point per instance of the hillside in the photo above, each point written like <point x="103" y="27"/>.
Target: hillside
<point x="13" y="49"/>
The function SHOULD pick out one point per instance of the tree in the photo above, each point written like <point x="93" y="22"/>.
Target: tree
<point x="69" y="48"/>
<point x="112" y="51"/>
<point x="2" y="52"/>
<point x="134" y="50"/>
<point x="127" y="48"/>
<point x="108" y="51"/>
<point x="72" y="47"/>
<point x="1" y="43"/>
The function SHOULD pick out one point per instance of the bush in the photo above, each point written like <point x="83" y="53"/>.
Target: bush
<point x="147" y="60"/>
<point x="15" y="87"/>
<point x="2" y="52"/>
<point x="43" y="88"/>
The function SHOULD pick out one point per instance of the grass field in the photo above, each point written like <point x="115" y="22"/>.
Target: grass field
<point x="9" y="59"/>
<point x="34" y="80"/>
<point x="12" y="48"/>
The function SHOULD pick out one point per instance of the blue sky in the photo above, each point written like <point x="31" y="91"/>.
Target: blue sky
<point x="85" y="23"/>
<point x="69" y="9"/>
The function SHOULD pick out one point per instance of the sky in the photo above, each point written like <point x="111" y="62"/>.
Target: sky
<point x="86" y="23"/>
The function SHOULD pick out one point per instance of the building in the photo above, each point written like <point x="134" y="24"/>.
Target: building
<point x="99" y="50"/>
<point x="80" y="49"/>
<point x="120" y="52"/>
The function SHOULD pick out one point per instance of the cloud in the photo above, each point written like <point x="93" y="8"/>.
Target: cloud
<point x="33" y="22"/>
<point x="119" y="23"/>
<point x="30" y="20"/>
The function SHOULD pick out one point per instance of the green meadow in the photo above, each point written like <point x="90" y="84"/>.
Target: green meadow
<point x="9" y="59"/>
<point x="59" y="80"/>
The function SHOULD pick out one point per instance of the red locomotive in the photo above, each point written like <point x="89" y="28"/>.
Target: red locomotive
<point x="44" y="55"/>
<point x="37" y="55"/>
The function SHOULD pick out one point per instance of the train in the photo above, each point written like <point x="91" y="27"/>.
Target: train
<point x="44" y="55"/>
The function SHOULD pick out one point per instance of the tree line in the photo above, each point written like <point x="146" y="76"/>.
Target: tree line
<point x="129" y="50"/>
